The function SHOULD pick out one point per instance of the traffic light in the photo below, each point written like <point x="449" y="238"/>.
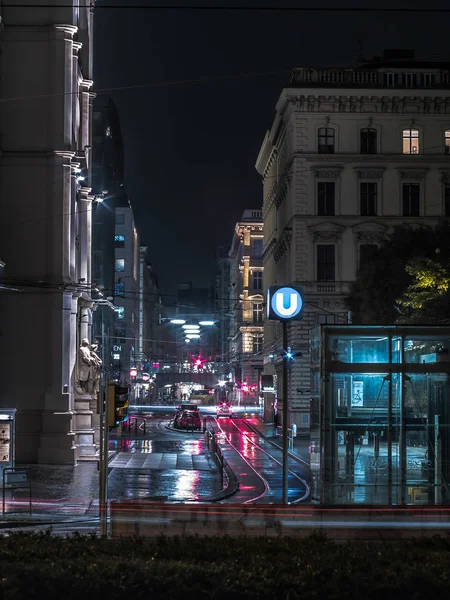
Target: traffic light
<point x="117" y="404"/>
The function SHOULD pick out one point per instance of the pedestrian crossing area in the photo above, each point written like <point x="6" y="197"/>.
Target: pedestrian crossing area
<point x="160" y="460"/>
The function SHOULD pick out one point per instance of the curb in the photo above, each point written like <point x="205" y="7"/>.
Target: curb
<point x="230" y="490"/>
<point x="189" y="431"/>
<point x="290" y="454"/>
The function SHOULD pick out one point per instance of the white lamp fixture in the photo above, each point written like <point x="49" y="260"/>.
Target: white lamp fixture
<point x="177" y="321"/>
<point x="193" y="336"/>
<point x="187" y="340"/>
<point x="191" y="327"/>
<point x="206" y="322"/>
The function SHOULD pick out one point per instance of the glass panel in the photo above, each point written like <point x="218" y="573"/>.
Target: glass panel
<point x="363" y="349"/>
<point x="362" y="453"/>
<point x="426" y="349"/>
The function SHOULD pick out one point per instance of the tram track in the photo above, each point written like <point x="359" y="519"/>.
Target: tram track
<point x="247" y="460"/>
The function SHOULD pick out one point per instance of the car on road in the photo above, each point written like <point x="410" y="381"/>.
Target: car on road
<point x="224" y="410"/>
<point x="188" y="419"/>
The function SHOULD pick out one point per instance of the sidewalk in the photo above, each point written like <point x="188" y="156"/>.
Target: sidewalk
<point x="300" y="448"/>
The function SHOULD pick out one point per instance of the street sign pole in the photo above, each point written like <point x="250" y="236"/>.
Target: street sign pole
<point x="285" y="304"/>
<point x="285" y="415"/>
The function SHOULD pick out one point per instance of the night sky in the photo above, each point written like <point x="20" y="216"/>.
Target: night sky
<point x="190" y="148"/>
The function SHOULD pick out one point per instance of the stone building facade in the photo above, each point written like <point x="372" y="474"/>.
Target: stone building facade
<point x="351" y="153"/>
<point x="46" y="202"/>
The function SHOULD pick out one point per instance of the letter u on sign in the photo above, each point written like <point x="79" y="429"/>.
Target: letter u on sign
<point x="284" y="303"/>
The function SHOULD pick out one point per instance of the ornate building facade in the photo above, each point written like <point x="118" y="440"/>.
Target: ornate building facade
<point x="246" y="301"/>
<point x="46" y="204"/>
<point x="351" y="153"/>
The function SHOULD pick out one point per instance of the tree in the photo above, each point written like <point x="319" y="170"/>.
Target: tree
<point x="384" y="278"/>
<point x="427" y="299"/>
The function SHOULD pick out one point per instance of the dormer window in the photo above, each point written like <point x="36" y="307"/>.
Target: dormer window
<point x="390" y="79"/>
<point x="410" y="141"/>
<point x="409" y="79"/>
<point x="427" y="79"/>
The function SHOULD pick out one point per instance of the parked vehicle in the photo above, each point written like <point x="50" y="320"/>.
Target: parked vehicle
<point x="188" y="419"/>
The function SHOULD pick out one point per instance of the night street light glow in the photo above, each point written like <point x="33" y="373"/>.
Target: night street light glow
<point x="178" y="321"/>
<point x="206" y="322"/>
<point x="191" y="326"/>
<point x="187" y="340"/>
<point x="193" y="336"/>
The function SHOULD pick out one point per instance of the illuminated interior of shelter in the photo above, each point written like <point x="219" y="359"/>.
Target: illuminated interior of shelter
<point x="380" y="416"/>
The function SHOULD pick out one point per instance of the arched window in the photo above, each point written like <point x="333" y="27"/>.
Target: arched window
<point x="410" y="141"/>
<point x="326" y="140"/>
<point x="447" y="141"/>
<point x="368" y="140"/>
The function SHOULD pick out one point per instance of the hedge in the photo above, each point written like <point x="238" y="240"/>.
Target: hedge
<point x="40" y="565"/>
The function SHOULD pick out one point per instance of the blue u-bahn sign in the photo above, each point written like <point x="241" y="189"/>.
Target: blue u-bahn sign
<point x="284" y="303"/>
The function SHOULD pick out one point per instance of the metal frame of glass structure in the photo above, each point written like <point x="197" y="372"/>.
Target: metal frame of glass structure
<point x="380" y="415"/>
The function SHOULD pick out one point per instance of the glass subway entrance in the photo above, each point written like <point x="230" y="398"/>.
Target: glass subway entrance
<point x="380" y="418"/>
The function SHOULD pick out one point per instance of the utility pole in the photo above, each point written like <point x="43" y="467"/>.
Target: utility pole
<point x="285" y="414"/>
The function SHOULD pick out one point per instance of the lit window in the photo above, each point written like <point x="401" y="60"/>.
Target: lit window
<point x="411" y="199"/>
<point x="120" y="312"/>
<point x="119" y="241"/>
<point x="120" y="264"/>
<point x="326" y="140"/>
<point x="325" y="198"/>
<point x="368" y="141"/>
<point x="326" y="262"/>
<point x="257" y="312"/>
<point x="447" y="141"/>
<point x="116" y="356"/>
<point x="257" y="247"/>
<point x="257" y="280"/>
<point x="368" y="199"/>
<point x="108" y="131"/>
<point x="257" y="343"/>
<point x="410" y="141"/>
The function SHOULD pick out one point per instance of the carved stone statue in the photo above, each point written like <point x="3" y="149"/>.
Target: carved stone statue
<point x="89" y="369"/>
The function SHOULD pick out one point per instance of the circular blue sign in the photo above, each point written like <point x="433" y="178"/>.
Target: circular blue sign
<point x="286" y="303"/>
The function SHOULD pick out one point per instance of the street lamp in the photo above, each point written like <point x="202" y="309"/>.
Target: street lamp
<point x="206" y="323"/>
<point x="177" y="321"/>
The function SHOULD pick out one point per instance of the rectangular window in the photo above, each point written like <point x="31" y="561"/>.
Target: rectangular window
<point x="447" y="141"/>
<point x="326" y="140"/>
<point x="325" y="197"/>
<point x="325" y="262"/>
<point x="368" y="199"/>
<point x="366" y="253"/>
<point x="257" y="247"/>
<point x="390" y="79"/>
<point x="257" y="312"/>
<point x="257" y="341"/>
<point x="427" y="79"/>
<point x="119" y="241"/>
<point x="326" y="319"/>
<point x="120" y="312"/>
<point x="368" y="141"/>
<point x="447" y="200"/>
<point x="411" y="199"/>
<point x="120" y="264"/>
<point x="119" y="288"/>
<point x="409" y="79"/>
<point x="120" y="218"/>
<point x="410" y="141"/>
<point x="257" y="280"/>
